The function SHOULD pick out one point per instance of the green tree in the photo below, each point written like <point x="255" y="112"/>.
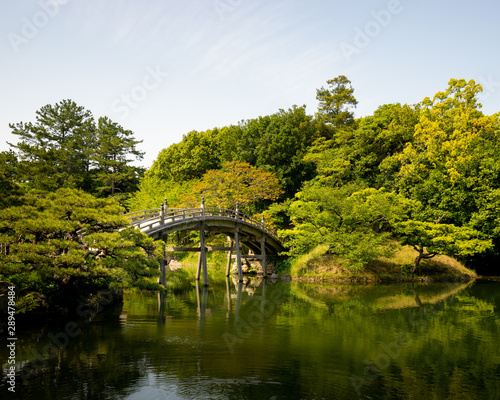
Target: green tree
<point x="432" y="238"/>
<point x="247" y="143"/>
<point x="336" y="100"/>
<point x="10" y="191"/>
<point x="197" y="153"/>
<point x="453" y="164"/>
<point x="55" y="151"/>
<point x="153" y="191"/>
<point x="354" y="223"/>
<point x="68" y="243"/>
<point x="113" y="172"/>
<point x="231" y="147"/>
<point x="275" y="143"/>
<point x="379" y="138"/>
<point x="282" y="146"/>
<point x="367" y="154"/>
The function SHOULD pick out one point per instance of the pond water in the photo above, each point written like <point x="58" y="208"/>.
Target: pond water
<point x="270" y="341"/>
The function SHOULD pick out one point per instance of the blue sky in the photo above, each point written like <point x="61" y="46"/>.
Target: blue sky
<point x="162" y="68"/>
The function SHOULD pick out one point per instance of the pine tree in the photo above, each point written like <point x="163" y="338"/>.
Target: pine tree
<point x="55" y="151"/>
<point x="113" y="172"/>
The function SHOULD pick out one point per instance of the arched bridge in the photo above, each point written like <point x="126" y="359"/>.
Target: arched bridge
<point x="240" y="228"/>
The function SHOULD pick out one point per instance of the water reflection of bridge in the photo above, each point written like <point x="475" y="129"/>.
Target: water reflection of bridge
<point x="236" y="294"/>
<point x="239" y="228"/>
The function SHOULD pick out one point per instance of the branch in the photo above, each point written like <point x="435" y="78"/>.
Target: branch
<point x="417" y="249"/>
<point x="441" y="217"/>
<point x="430" y="255"/>
<point x="338" y="215"/>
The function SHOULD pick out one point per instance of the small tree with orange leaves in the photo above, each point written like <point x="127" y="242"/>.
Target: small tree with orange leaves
<point x="235" y="183"/>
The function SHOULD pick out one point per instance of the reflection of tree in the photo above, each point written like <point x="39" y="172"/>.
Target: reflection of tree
<point x="417" y="299"/>
<point x="304" y="346"/>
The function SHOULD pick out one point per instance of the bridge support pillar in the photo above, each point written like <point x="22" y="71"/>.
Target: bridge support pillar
<point x="202" y="259"/>
<point x="163" y="272"/>
<point x="198" y="268"/>
<point x="238" y="253"/>
<point x="263" y="254"/>
<point x="229" y="259"/>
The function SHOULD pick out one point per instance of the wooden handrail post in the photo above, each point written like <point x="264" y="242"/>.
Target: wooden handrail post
<point x="237" y="210"/>
<point x="162" y="214"/>
<point x="203" y="206"/>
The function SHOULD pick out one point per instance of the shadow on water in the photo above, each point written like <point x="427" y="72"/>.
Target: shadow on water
<point x="265" y="340"/>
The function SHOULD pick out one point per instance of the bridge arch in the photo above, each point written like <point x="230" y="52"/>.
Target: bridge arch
<point x="242" y="230"/>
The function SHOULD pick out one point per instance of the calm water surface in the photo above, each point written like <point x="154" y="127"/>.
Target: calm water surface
<point x="275" y="341"/>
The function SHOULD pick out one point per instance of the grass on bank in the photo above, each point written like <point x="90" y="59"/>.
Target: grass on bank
<point x="183" y="279"/>
<point x="317" y="265"/>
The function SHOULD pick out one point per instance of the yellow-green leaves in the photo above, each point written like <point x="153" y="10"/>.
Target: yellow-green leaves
<point x="353" y="223"/>
<point x="432" y="238"/>
<point x="449" y="136"/>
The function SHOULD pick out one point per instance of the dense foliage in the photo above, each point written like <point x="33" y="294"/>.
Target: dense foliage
<point x="236" y="184"/>
<point x="67" y="244"/>
<point x="356" y="185"/>
<point x="425" y="175"/>
<point x="65" y="148"/>
<point x="58" y="242"/>
<point x="276" y="143"/>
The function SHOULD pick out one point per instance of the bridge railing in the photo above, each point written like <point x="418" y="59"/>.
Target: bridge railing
<point x="148" y="219"/>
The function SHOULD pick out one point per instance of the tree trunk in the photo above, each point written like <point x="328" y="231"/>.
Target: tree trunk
<point x="417" y="259"/>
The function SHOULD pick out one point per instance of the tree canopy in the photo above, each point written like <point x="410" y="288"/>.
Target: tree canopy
<point x="441" y="155"/>
<point x="65" y="147"/>
<point x="68" y="243"/>
<point x="335" y="102"/>
<point x="426" y="175"/>
<point x="235" y="184"/>
<point x="435" y="160"/>
<point x="275" y="143"/>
